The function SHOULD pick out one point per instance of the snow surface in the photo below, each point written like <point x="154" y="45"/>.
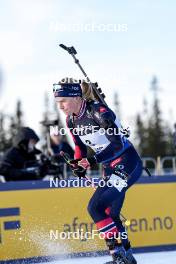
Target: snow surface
<point x="146" y="258"/>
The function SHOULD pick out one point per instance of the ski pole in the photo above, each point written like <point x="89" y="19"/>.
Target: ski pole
<point x="125" y="220"/>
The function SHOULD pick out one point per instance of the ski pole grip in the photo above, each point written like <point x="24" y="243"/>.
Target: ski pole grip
<point x="62" y="154"/>
<point x="63" y="46"/>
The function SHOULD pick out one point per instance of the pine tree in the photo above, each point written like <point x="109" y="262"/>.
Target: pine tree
<point x="9" y="125"/>
<point x="2" y="133"/>
<point x="156" y="137"/>
<point x="45" y="119"/>
<point x="1" y="80"/>
<point x="153" y="133"/>
<point x="140" y="134"/>
<point x="16" y="122"/>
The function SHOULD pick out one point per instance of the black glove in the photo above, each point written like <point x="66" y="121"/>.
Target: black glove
<point x="77" y="170"/>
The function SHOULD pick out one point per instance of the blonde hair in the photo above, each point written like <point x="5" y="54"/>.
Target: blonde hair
<point x="87" y="92"/>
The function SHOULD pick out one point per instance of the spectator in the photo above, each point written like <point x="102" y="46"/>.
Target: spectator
<point x="19" y="162"/>
<point x="57" y="145"/>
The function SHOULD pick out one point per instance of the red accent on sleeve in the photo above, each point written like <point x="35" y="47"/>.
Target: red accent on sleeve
<point x="78" y="152"/>
<point x="115" y="162"/>
<point x="108" y="210"/>
<point x="80" y="148"/>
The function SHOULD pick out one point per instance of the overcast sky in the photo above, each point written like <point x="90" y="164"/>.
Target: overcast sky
<point x="121" y="44"/>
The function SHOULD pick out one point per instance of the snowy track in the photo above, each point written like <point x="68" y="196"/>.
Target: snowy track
<point x="147" y="258"/>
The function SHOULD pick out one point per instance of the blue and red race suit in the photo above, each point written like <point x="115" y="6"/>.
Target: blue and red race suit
<point x="97" y="126"/>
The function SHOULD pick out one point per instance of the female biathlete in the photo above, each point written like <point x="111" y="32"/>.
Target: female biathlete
<point x="122" y="165"/>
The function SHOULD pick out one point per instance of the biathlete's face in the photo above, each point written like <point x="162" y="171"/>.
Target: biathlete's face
<point x="69" y="105"/>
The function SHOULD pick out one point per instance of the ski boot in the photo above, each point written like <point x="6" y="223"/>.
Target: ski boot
<point x="129" y="255"/>
<point x="117" y="252"/>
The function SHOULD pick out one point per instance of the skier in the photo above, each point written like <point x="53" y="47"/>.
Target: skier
<point x="122" y="165"/>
